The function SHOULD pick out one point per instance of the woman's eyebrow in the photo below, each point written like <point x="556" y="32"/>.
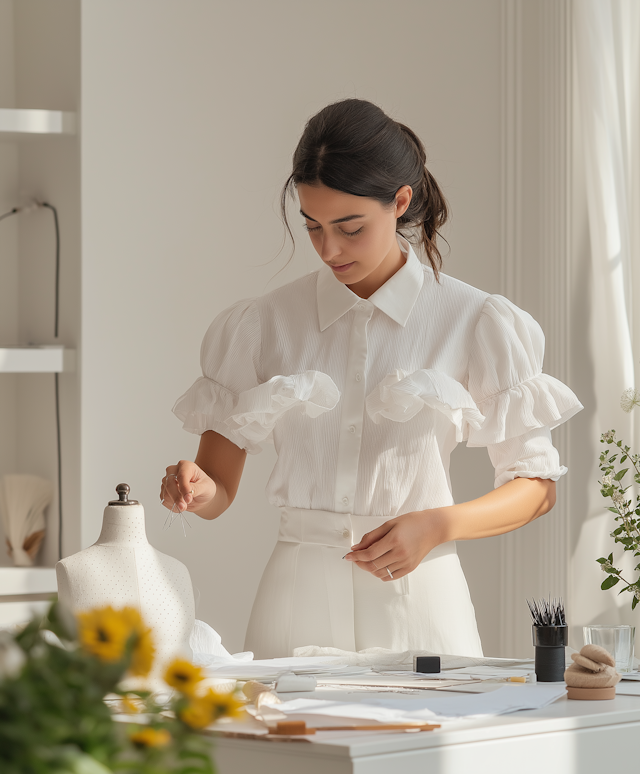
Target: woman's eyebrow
<point x="331" y="222"/>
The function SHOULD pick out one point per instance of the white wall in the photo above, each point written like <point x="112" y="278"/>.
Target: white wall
<point x="190" y="114"/>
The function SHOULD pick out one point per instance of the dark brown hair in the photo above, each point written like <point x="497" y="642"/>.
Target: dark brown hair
<point x="354" y="147"/>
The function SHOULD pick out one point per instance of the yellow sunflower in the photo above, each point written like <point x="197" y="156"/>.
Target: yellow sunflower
<point x="104" y="633"/>
<point x="198" y="713"/>
<point x="151" y="737"/>
<point x="183" y="676"/>
<point x="209" y="706"/>
<point x="225" y="705"/>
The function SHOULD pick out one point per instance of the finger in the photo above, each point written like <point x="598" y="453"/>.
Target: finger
<point x="186" y="476"/>
<point x="372" y="537"/>
<point x="373" y="553"/>
<point x="170" y="494"/>
<point x="397" y="570"/>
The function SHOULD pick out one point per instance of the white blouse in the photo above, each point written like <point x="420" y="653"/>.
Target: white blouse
<point x="366" y="399"/>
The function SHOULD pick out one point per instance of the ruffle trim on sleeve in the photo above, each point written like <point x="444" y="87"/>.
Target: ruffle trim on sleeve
<point x="554" y="474"/>
<point x="541" y="401"/>
<point x="400" y="396"/>
<point x="249" y="418"/>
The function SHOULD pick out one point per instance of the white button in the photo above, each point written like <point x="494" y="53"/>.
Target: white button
<point x="346" y="533"/>
<point x="345" y="500"/>
<point x="352" y="428"/>
<point x="362" y="305"/>
<point x="358" y="377"/>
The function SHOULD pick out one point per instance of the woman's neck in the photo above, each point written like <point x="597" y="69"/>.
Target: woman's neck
<point x="123" y="525"/>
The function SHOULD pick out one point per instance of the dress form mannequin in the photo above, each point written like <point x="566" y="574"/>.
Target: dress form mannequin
<point x="122" y="568"/>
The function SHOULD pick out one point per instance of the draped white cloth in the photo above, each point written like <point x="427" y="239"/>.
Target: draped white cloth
<point x="606" y="37"/>
<point x="365" y="400"/>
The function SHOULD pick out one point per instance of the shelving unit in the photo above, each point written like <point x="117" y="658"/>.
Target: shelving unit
<point x="42" y="360"/>
<point x="21" y="581"/>
<point x="39" y="383"/>
<point x="16" y="123"/>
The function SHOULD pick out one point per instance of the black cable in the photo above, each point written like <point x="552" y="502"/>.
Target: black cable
<point x="56" y="375"/>
<point x="57" y="293"/>
<point x="14" y="211"/>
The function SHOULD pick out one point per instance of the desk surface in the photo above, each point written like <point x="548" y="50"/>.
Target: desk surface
<point x="572" y="737"/>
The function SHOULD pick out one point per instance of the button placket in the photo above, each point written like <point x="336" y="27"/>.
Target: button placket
<point x="353" y="398"/>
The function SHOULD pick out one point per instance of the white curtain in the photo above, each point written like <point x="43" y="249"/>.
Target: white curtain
<point x="607" y="60"/>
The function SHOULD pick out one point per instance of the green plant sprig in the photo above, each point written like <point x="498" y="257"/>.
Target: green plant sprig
<point x="627" y="533"/>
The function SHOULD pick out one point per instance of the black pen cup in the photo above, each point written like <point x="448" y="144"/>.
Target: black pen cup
<point x="549" y="643"/>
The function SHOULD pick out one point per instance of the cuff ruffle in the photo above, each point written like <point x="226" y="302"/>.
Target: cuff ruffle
<point x="541" y="401"/>
<point x="400" y="396"/>
<point x="249" y="418"/>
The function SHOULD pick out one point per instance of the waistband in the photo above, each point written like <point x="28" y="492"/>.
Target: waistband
<point x="338" y="530"/>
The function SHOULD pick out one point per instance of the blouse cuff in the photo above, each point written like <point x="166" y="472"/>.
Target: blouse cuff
<point x="531" y="455"/>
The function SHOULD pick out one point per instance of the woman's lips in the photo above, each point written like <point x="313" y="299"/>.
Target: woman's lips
<point x="343" y="267"/>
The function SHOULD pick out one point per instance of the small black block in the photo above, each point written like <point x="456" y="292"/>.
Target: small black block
<point x="427" y="664"/>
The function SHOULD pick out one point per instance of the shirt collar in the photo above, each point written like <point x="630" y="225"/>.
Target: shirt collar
<point x="396" y="298"/>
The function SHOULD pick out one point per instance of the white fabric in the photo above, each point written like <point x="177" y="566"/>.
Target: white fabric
<point x="365" y="400"/>
<point x="310" y="595"/>
<point x="607" y="61"/>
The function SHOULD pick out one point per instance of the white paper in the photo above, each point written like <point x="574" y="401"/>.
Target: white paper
<point x="511" y="698"/>
<point x="485" y="672"/>
<point x="270" y="669"/>
<point x="628" y="689"/>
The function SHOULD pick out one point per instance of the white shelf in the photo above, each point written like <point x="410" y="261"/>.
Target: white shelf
<point x="27" y="580"/>
<point x="29" y="360"/>
<point x="24" y="123"/>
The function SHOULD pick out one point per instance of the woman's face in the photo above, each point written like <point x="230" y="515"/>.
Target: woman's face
<point x="354" y="235"/>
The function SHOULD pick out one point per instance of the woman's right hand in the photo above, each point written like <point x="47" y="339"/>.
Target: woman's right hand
<point x="187" y="487"/>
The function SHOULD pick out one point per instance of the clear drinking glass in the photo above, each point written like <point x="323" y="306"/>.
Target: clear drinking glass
<point x="617" y="640"/>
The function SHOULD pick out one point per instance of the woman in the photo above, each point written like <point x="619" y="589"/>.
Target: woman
<point x="366" y="374"/>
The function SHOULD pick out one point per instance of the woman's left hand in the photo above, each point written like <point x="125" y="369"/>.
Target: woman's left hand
<point x="400" y="544"/>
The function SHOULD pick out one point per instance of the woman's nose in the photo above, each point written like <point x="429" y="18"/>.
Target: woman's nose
<point x="329" y="249"/>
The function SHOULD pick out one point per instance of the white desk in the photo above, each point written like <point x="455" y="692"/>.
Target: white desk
<point x="568" y="737"/>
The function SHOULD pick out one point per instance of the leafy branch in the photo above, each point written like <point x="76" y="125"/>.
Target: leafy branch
<point x="627" y="512"/>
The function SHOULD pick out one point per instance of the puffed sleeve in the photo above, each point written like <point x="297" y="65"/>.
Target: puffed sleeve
<point x="519" y="402"/>
<point x="230" y="397"/>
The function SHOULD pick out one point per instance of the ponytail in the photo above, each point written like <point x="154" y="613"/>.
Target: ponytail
<point x="428" y="210"/>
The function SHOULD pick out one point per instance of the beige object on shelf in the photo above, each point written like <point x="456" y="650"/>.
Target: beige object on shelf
<point x="123" y="569"/>
<point x="593" y="675"/>
<point x="23" y="499"/>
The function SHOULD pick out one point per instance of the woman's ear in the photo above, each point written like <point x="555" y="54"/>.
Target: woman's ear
<point x="403" y="200"/>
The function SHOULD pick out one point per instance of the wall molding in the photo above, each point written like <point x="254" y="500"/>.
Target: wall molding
<point x="535" y="561"/>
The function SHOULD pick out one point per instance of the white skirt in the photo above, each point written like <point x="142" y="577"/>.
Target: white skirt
<point x="309" y="595"/>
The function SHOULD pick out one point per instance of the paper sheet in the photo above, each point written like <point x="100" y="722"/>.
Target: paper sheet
<point x="507" y="699"/>
<point x="270" y="669"/>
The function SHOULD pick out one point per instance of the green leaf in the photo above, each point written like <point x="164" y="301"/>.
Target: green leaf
<point x="602" y="560"/>
<point x="620" y="474"/>
<point x="607" y="583"/>
<point x="611" y="557"/>
<point x="634" y="602"/>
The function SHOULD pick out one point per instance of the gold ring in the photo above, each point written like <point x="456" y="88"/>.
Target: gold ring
<point x="389" y="571"/>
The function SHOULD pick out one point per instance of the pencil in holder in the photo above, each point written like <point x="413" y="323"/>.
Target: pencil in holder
<point x="549" y="643"/>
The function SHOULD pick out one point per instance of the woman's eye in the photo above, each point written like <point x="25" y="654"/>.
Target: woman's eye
<point x="352" y="233"/>
<point x="310" y="228"/>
